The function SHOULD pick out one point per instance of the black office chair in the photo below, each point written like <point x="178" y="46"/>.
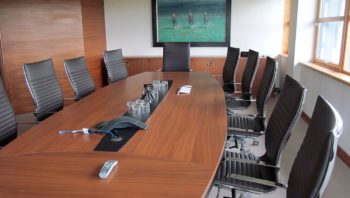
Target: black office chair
<point x="44" y="88"/>
<point x="254" y="125"/>
<point x="79" y="77"/>
<point x="278" y="131"/>
<point x="313" y="166"/>
<point x="115" y="65"/>
<point x="311" y="170"/>
<point x="244" y="95"/>
<point x="228" y="73"/>
<point x="8" y="126"/>
<point x="176" y="57"/>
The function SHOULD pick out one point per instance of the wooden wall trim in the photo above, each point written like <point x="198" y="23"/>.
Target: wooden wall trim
<point x="305" y="117"/>
<point x="341" y="153"/>
<point x="212" y="65"/>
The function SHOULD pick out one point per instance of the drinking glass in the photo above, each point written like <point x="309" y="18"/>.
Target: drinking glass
<point x="130" y="105"/>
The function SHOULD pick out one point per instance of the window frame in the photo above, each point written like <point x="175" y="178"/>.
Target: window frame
<point x="286" y="26"/>
<point x="345" y="19"/>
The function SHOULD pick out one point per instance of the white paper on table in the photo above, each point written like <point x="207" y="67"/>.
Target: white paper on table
<point x="185" y="89"/>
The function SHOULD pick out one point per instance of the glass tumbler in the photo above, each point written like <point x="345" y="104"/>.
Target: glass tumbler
<point x="130" y="105"/>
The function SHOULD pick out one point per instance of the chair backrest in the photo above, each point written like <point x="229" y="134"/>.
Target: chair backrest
<point x="250" y="71"/>
<point x="115" y="65"/>
<point x="232" y="57"/>
<point x="266" y="85"/>
<point x="282" y="119"/>
<point x="8" y="126"/>
<point x="44" y="88"/>
<point x="79" y="77"/>
<point x="313" y="166"/>
<point x="176" y="57"/>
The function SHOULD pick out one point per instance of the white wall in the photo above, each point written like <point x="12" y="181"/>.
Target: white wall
<point x="258" y="25"/>
<point x="300" y="49"/>
<point x="337" y="93"/>
<point x="255" y="24"/>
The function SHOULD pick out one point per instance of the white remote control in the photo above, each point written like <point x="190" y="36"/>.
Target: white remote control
<point x="107" y="168"/>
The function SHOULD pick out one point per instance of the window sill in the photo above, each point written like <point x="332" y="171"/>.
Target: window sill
<point x="331" y="73"/>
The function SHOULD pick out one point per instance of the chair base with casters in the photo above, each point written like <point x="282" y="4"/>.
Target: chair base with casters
<point x="239" y="143"/>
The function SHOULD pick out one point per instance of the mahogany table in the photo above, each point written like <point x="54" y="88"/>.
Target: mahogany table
<point x="176" y="156"/>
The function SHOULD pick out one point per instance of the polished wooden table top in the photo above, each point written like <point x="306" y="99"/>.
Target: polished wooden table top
<point x="175" y="157"/>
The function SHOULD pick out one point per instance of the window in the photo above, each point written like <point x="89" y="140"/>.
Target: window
<point x="332" y="35"/>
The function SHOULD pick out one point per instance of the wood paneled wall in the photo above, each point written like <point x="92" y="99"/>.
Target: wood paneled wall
<point x="36" y="30"/>
<point x="94" y="38"/>
<point x="212" y="65"/>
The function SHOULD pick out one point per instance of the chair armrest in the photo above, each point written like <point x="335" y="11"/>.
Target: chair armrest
<point x="239" y="129"/>
<point x="230" y="83"/>
<point x="257" y="180"/>
<point x="251" y="100"/>
<point x="247" y="115"/>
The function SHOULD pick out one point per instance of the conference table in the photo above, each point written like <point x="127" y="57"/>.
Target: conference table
<point x="176" y="156"/>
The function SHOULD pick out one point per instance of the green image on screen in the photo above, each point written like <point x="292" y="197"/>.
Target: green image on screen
<point x="191" y="20"/>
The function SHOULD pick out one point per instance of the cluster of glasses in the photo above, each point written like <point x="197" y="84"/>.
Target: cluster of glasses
<point x="152" y="91"/>
<point x="150" y="95"/>
<point x="137" y="107"/>
<point x="160" y="85"/>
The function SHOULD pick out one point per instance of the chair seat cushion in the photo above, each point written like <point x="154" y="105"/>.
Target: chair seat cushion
<point x="233" y="103"/>
<point x="254" y="123"/>
<point x="251" y="170"/>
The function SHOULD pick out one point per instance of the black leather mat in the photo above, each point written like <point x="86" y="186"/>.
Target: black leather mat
<point x="106" y="144"/>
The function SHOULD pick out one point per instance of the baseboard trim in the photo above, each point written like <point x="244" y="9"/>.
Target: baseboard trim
<point x="305" y="117"/>
<point x="343" y="156"/>
<point x="341" y="153"/>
